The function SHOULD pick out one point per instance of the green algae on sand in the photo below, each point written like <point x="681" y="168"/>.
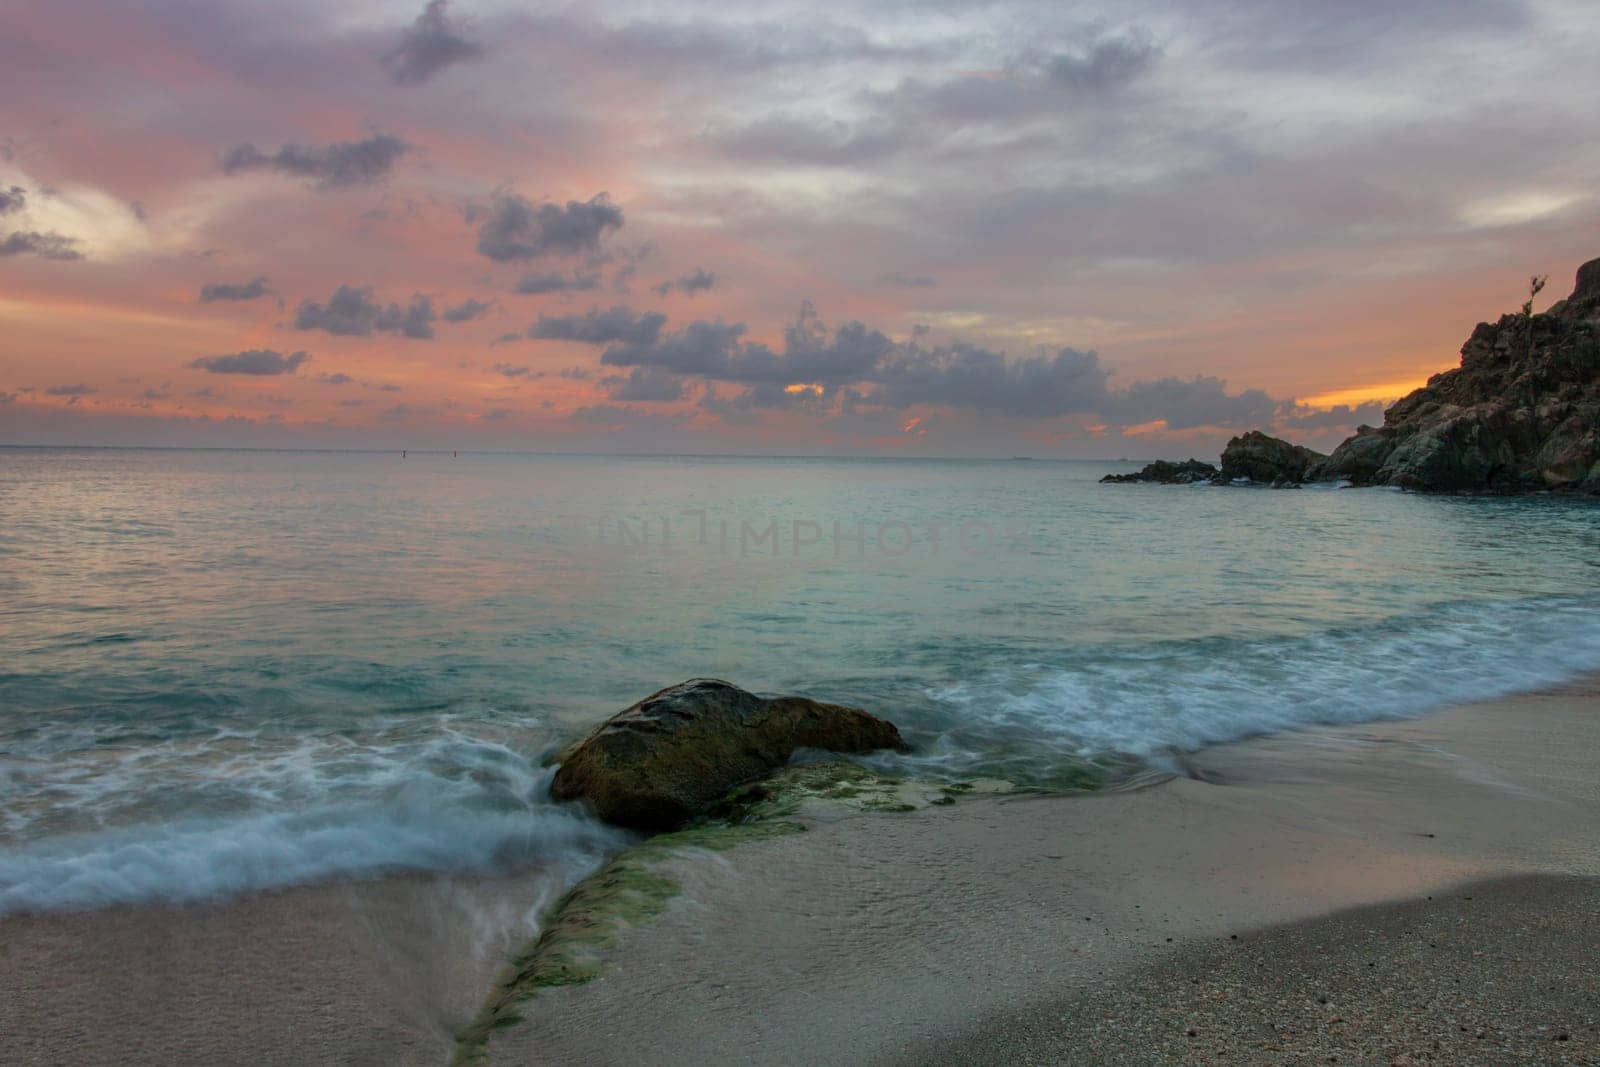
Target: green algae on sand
<point x="632" y="890"/>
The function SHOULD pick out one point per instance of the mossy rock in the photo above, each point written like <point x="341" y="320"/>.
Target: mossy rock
<point x="675" y="754"/>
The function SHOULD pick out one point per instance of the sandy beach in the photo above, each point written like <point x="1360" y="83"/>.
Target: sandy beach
<point x="363" y="973"/>
<point x="1100" y="928"/>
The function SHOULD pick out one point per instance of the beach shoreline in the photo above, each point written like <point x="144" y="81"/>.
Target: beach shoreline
<point x="373" y="972"/>
<point x="980" y="925"/>
<point x="1491" y="972"/>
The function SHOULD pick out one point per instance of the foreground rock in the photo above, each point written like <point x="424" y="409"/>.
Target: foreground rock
<point x="1521" y="413"/>
<point x="1169" y="473"/>
<point x="1256" y="457"/>
<point x="671" y="756"/>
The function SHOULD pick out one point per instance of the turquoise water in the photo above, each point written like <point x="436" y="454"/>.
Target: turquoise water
<point x="222" y="671"/>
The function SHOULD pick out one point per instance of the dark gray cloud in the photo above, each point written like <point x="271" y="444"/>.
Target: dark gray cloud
<point x="535" y="284"/>
<point x="512" y="370"/>
<point x="335" y="379"/>
<point x="718" y="350"/>
<point x="43" y="245"/>
<point x="850" y="354"/>
<point x="1184" y="403"/>
<point x="704" y="349"/>
<point x="332" y="166"/>
<point x="250" y="290"/>
<point x="875" y="370"/>
<point x="1051" y="384"/>
<point x="466" y="311"/>
<point x="1106" y="64"/>
<point x="258" y="361"/>
<point x="13" y="200"/>
<point x="515" y="229"/>
<point x="696" y="281"/>
<point x="616" y="325"/>
<point x="353" y="312"/>
<point x="73" y="391"/>
<point x="647" y="384"/>
<point x="429" y="45"/>
<point x="963" y="376"/>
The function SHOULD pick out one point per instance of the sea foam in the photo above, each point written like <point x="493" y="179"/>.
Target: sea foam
<point x="257" y="818"/>
<point x="205" y="858"/>
<point x="1187" y="694"/>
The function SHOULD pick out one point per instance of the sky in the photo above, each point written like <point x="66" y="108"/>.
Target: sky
<point x="911" y="227"/>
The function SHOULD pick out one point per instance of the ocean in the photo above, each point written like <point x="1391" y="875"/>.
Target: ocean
<point x="229" y="671"/>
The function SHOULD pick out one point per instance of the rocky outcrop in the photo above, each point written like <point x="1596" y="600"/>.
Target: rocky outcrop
<point x="1256" y="457"/>
<point x="671" y="756"/>
<point x="1521" y="413"/>
<point x="1251" y="457"/>
<point x="1168" y="473"/>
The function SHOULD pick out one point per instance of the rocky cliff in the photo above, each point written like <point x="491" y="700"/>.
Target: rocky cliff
<point x="1521" y="413"/>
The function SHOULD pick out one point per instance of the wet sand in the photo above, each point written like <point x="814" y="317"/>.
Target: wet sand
<point x="912" y="937"/>
<point x="366" y="973"/>
<point x="993" y="930"/>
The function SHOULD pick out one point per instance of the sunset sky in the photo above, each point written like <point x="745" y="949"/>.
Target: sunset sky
<point x="914" y="227"/>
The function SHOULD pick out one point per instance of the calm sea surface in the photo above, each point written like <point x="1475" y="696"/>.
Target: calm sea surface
<point x="223" y="671"/>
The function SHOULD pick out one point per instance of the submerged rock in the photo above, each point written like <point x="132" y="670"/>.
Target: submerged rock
<point x="1169" y="473"/>
<point x="1258" y="458"/>
<point x="672" y="755"/>
<point x="1521" y="413"/>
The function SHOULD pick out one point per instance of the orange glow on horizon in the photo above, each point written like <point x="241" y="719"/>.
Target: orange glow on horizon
<point x="1384" y="392"/>
<point x="1154" y="426"/>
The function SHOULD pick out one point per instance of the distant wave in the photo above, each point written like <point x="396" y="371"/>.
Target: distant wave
<point x="1187" y="694"/>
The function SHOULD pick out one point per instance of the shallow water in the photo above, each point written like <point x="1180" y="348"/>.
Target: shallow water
<point x="231" y="670"/>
